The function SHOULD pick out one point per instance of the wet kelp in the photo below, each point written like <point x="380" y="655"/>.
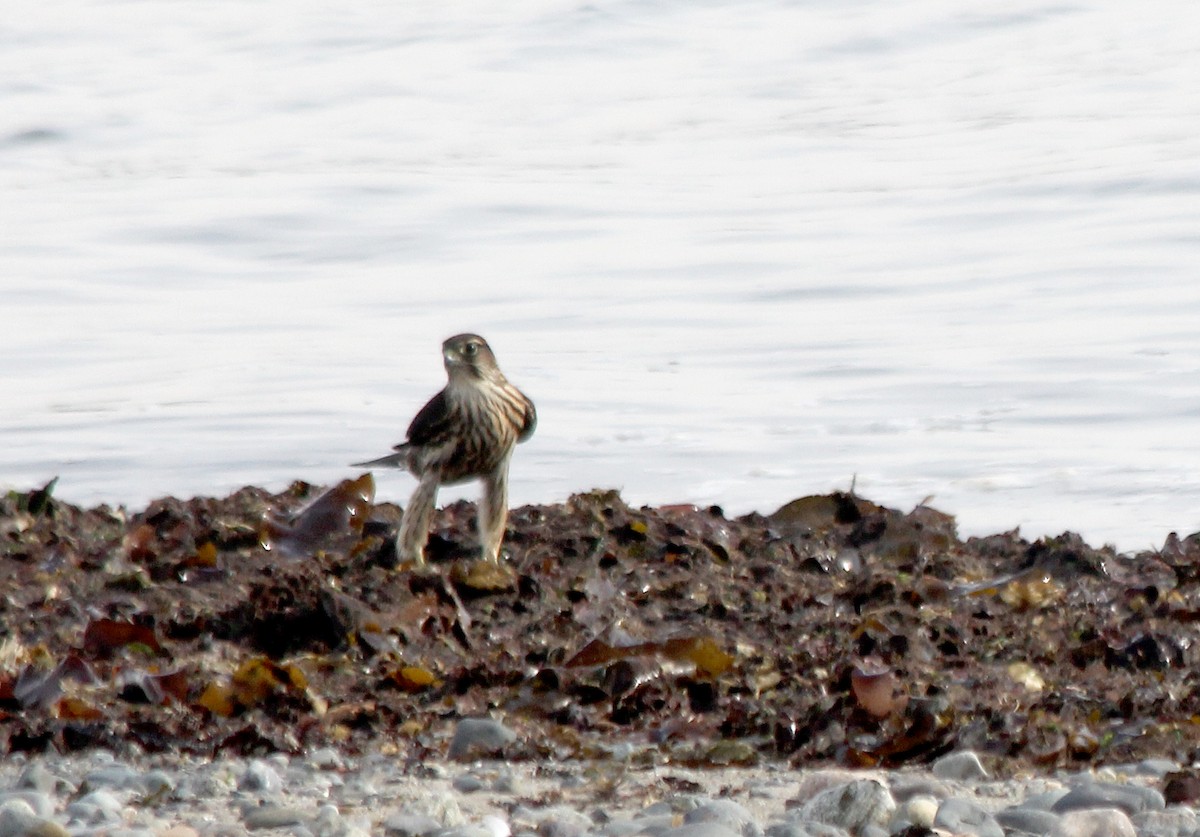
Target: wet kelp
<point x="834" y="630"/>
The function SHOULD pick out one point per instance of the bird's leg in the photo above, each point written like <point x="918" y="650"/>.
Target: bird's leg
<point x="493" y="512"/>
<point x="414" y="527"/>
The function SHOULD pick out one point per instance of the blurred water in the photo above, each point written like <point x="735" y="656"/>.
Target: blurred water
<point x="736" y="252"/>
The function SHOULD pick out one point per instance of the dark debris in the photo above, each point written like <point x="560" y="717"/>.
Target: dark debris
<point x="833" y="631"/>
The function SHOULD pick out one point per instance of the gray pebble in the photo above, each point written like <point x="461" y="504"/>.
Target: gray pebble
<point x="158" y="783"/>
<point x="1044" y="801"/>
<point x="1128" y="798"/>
<point x="440" y="807"/>
<point x="701" y="829"/>
<point x="410" y="825"/>
<point x="555" y="821"/>
<point x="812" y="783"/>
<point x="1027" y="820"/>
<point x="961" y="766"/>
<point x="476" y="736"/>
<point x="505" y="782"/>
<point x="1151" y="797"/>
<point x="273" y="816"/>
<point x="204" y="784"/>
<point x="851" y="806"/>
<point x="621" y="827"/>
<point x="260" y="777"/>
<point x="656" y="823"/>
<point x="467" y="831"/>
<point x="16" y="816"/>
<point x="685" y="802"/>
<point x="564" y="823"/>
<point x="116" y="776"/>
<point x="467" y="783"/>
<point x="46" y="828"/>
<point x="1176" y="821"/>
<point x="962" y="816"/>
<point x="904" y="787"/>
<point x="727" y="813"/>
<point x="95" y="808"/>
<point x="799" y="828"/>
<point x="1098" y="822"/>
<point x="327" y="822"/>
<point x="1158" y="768"/>
<point x="36" y="776"/>
<point x="524" y="817"/>
<point x="320" y="782"/>
<point x="41" y="804"/>
<point x="360" y="788"/>
<point x="326" y="758"/>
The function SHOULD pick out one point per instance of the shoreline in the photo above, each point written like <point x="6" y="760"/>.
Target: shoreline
<point x="395" y="489"/>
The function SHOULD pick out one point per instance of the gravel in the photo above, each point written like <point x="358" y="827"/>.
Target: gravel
<point x="328" y="794"/>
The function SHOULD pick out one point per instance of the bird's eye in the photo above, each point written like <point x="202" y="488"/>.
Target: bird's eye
<point x="470" y="349"/>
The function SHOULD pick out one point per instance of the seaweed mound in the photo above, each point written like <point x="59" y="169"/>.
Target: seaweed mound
<point x="834" y="630"/>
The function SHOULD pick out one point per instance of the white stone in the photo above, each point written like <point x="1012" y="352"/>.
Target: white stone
<point x="962" y="816"/>
<point x="1095" y="822"/>
<point x="16" y="816"/>
<point x="920" y="810"/>
<point x="260" y="777"/>
<point x="962" y="766"/>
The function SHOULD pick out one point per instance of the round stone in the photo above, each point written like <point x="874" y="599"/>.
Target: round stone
<point x="474" y="736"/>
<point x="1097" y="822"/>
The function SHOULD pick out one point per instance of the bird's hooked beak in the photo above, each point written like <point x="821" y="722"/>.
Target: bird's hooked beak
<point x="455" y="359"/>
<point x="466" y="354"/>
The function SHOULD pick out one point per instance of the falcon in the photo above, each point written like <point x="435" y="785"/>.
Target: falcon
<point x="467" y="431"/>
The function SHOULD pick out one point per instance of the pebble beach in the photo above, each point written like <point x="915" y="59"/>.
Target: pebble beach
<point x="324" y="793"/>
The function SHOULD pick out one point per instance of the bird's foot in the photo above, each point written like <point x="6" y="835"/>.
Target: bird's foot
<point x="491" y="554"/>
<point x="484" y="576"/>
<point x="413" y="559"/>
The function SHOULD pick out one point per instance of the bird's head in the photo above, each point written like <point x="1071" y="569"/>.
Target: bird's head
<point x="469" y="355"/>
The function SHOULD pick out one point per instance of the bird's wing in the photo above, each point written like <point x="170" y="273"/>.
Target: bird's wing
<point x="530" y="422"/>
<point x="432" y="425"/>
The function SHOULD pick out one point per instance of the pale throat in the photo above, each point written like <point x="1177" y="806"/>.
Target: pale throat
<point x="463" y="376"/>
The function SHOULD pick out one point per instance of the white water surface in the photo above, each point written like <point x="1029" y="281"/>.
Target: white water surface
<point x="737" y="252"/>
